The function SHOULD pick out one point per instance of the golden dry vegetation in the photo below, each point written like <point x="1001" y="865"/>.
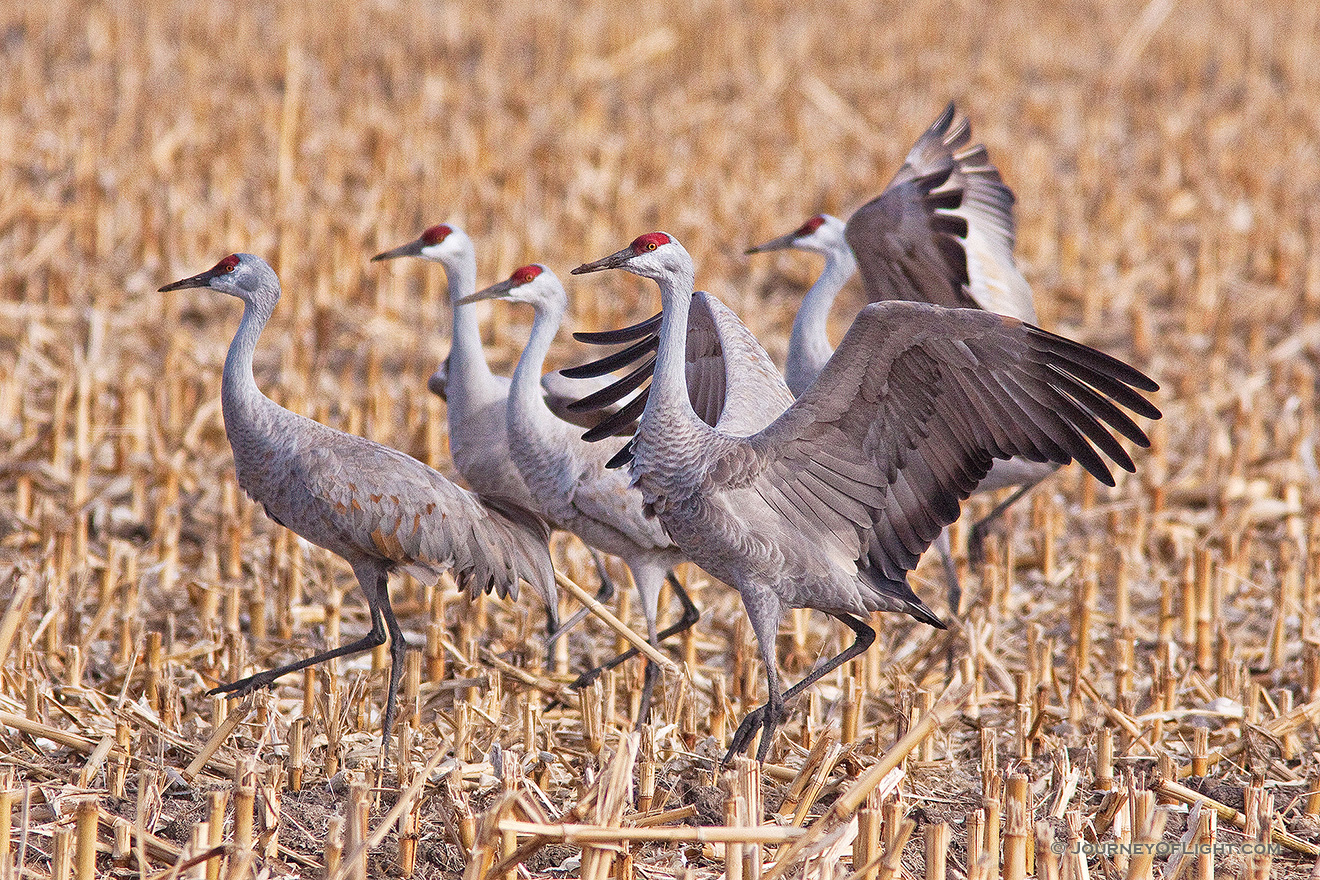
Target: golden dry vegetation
<point x="1128" y="651"/>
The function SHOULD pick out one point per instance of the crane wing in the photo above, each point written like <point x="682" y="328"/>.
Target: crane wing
<point x="943" y="231"/>
<point x="908" y="414"/>
<point x="607" y="498"/>
<point x="559" y="391"/>
<point x="413" y="516"/>
<point x="732" y="383"/>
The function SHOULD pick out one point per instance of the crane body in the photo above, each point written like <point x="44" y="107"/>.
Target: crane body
<point x="831" y="504"/>
<point x="376" y="507"/>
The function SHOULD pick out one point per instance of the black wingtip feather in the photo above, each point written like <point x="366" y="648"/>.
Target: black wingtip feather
<point x="949" y="224"/>
<point x="623" y="334"/>
<point x="608" y="427"/>
<point x="611" y="362"/>
<point x="622" y="457"/>
<point x="1103" y="408"/>
<point x="942" y="122"/>
<point x="950" y="200"/>
<point x="616" y="391"/>
<point x="1095" y="359"/>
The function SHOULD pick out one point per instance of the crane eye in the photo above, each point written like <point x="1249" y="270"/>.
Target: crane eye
<point x="650" y="245"/>
<point x="525" y="274"/>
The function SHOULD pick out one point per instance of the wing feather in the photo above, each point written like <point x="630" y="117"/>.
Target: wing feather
<point x="367" y="498"/>
<point x="738" y="393"/>
<point x="908" y="416"/>
<point x="943" y="231"/>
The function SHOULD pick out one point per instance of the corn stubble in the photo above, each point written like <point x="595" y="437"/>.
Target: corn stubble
<point x="1136" y="665"/>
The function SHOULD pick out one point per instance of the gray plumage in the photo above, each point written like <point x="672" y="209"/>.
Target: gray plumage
<point x="809" y="347"/>
<point x="950" y="243"/>
<point x="475" y="397"/>
<point x="379" y="509"/>
<point x="567" y="477"/>
<point x="557" y="390"/>
<point x="831" y="504"/>
<point x="477" y="400"/>
<point x="941" y="232"/>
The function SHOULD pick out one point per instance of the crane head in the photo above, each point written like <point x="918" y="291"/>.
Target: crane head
<point x="437" y="243"/>
<point x="534" y="284"/>
<point x="240" y="275"/>
<point x="648" y="255"/>
<point x="822" y="234"/>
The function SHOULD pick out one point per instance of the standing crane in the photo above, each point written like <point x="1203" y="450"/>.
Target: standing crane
<point x="476" y="398"/>
<point x="832" y="503"/>
<point x="566" y="475"/>
<point x="377" y="508"/>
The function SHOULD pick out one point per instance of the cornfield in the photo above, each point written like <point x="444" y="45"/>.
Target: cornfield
<point x="1133" y="685"/>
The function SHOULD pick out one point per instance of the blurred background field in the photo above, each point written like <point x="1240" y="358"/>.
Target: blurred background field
<point x="1165" y="160"/>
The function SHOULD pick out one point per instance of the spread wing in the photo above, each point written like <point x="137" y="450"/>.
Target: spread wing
<point x="943" y="231"/>
<point x="559" y="391"/>
<point x="732" y="383"/>
<point x="385" y="504"/>
<point x="907" y="416"/>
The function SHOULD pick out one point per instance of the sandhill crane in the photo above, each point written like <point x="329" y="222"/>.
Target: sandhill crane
<point x="951" y="246"/>
<point x="379" y="509"/>
<point x="567" y="476"/>
<point x="831" y="505"/>
<point x="476" y="398"/>
<point x="478" y="393"/>
<point x="955" y="241"/>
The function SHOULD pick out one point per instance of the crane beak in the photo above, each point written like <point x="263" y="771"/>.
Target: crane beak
<point x="783" y="242"/>
<point x="613" y="261"/>
<point x="495" y="291"/>
<point x="411" y="249"/>
<point x="200" y="280"/>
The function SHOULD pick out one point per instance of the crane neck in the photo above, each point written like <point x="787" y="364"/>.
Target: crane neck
<point x="526" y="403"/>
<point x="238" y="389"/>
<point x="467" y="357"/>
<point x="669" y="393"/>
<point x="809" y="345"/>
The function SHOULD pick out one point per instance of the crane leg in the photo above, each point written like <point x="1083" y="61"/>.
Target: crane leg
<point x="245" y="686"/>
<point x="691" y="614"/>
<point x="769" y="716"/>
<point x="398" y="652"/>
<point x="950" y="570"/>
<point x="651" y="673"/>
<point x="976" y="535"/>
<point x="604" y="594"/>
